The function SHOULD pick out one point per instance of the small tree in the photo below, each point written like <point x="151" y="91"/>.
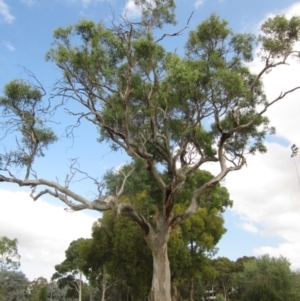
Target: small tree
<point x="70" y="272"/>
<point x="174" y="114"/>
<point x="225" y="269"/>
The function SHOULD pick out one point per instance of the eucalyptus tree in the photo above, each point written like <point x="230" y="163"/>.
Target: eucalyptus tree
<point x="9" y="256"/>
<point x="173" y="113"/>
<point x="13" y="286"/>
<point x="226" y="270"/>
<point x="70" y="272"/>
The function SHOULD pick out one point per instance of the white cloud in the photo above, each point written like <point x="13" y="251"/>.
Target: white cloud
<point x="293" y="10"/>
<point x="44" y="231"/>
<point x="288" y="250"/>
<point x="4" y="12"/>
<point x="249" y="227"/>
<point x="198" y="3"/>
<point x="10" y="47"/>
<point x="131" y="10"/>
<point x="267" y="193"/>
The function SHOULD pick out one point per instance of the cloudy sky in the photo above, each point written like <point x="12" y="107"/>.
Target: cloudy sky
<point x="265" y="217"/>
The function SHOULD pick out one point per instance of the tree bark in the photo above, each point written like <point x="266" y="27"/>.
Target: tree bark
<point x="161" y="281"/>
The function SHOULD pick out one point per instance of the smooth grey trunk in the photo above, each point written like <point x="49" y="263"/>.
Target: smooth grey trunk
<point x="161" y="281"/>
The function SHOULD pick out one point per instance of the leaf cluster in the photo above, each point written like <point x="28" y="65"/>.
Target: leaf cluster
<point x="279" y="37"/>
<point x="25" y="113"/>
<point x="267" y="277"/>
<point x="9" y="257"/>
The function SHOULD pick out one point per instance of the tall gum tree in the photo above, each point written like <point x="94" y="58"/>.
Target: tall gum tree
<point x="173" y="113"/>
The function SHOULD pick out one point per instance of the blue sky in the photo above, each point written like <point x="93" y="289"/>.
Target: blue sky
<point x="266" y="212"/>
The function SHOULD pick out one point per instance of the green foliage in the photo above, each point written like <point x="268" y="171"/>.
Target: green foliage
<point x="261" y="291"/>
<point x="267" y="277"/>
<point x="13" y="285"/>
<point x="141" y="181"/>
<point x="214" y="62"/>
<point x="215" y="201"/>
<point x="24" y="112"/>
<point x="122" y="250"/>
<point x="55" y="293"/>
<point x="9" y="257"/>
<point x="157" y="13"/>
<point x="220" y="298"/>
<point x="99" y="53"/>
<point x="280" y="36"/>
<point x="225" y="270"/>
<point x="38" y="290"/>
<point x="69" y="273"/>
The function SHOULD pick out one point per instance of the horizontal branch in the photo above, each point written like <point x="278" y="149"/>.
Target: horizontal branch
<point x="110" y="202"/>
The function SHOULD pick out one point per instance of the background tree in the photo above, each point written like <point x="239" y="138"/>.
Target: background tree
<point x="70" y="271"/>
<point x="226" y="270"/>
<point x="174" y="114"/>
<point x="200" y="233"/>
<point x="54" y="292"/>
<point x="13" y="285"/>
<point x="96" y="255"/>
<point x="9" y="257"/>
<point x="220" y="298"/>
<point x="267" y="278"/>
<point x="38" y="290"/>
<point x="129" y="264"/>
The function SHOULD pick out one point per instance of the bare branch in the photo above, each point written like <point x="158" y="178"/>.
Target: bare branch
<point x="176" y="33"/>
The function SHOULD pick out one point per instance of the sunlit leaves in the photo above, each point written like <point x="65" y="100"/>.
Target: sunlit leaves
<point x="25" y="113"/>
<point x="210" y="36"/>
<point x="280" y="36"/>
<point x="88" y="52"/>
<point x="156" y="13"/>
